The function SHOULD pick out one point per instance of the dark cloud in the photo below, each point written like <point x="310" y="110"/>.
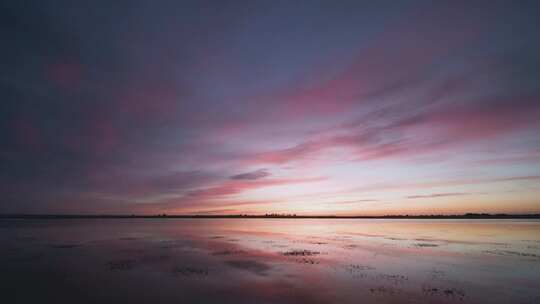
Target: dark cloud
<point x="435" y="195"/>
<point x="257" y="174"/>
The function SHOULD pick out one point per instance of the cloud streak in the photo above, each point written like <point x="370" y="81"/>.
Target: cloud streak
<point x="257" y="174"/>
<point x="436" y="195"/>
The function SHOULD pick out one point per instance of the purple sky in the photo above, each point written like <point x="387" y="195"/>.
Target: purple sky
<point x="307" y="107"/>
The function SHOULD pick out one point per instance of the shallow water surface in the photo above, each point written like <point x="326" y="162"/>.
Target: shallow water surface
<point x="270" y="261"/>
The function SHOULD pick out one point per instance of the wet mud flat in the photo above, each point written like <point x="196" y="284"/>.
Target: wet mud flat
<point x="269" y="261"/>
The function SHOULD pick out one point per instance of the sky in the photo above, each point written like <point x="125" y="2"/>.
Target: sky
<point x="253" y="107"/>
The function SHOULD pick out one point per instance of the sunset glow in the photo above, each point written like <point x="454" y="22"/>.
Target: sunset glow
<point x="251" y="108"/>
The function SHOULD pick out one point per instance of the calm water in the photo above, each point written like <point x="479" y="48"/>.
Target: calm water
<point x="270" y="261"/>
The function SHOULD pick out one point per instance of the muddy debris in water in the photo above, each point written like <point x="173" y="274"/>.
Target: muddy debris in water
<point x="188" y="271"/>
<point x="303" y="252"/>
<point x="121" y="265"/>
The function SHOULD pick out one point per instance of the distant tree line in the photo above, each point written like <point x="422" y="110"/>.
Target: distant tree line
<point x="274" y="215"/>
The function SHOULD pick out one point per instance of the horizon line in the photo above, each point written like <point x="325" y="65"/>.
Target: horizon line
<point x="281" y="216"/>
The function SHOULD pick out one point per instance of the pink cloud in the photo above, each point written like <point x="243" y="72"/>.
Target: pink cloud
<point x="231" y="187"/>
<point x="402" y="54"/>
<point x="26" y="133"/>
<point x="65" y="74"/>
<point x="222" y="194"/>
<point x="446" y="127"/>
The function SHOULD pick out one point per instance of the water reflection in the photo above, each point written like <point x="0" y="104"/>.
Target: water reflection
<point x="271" y="261"/>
